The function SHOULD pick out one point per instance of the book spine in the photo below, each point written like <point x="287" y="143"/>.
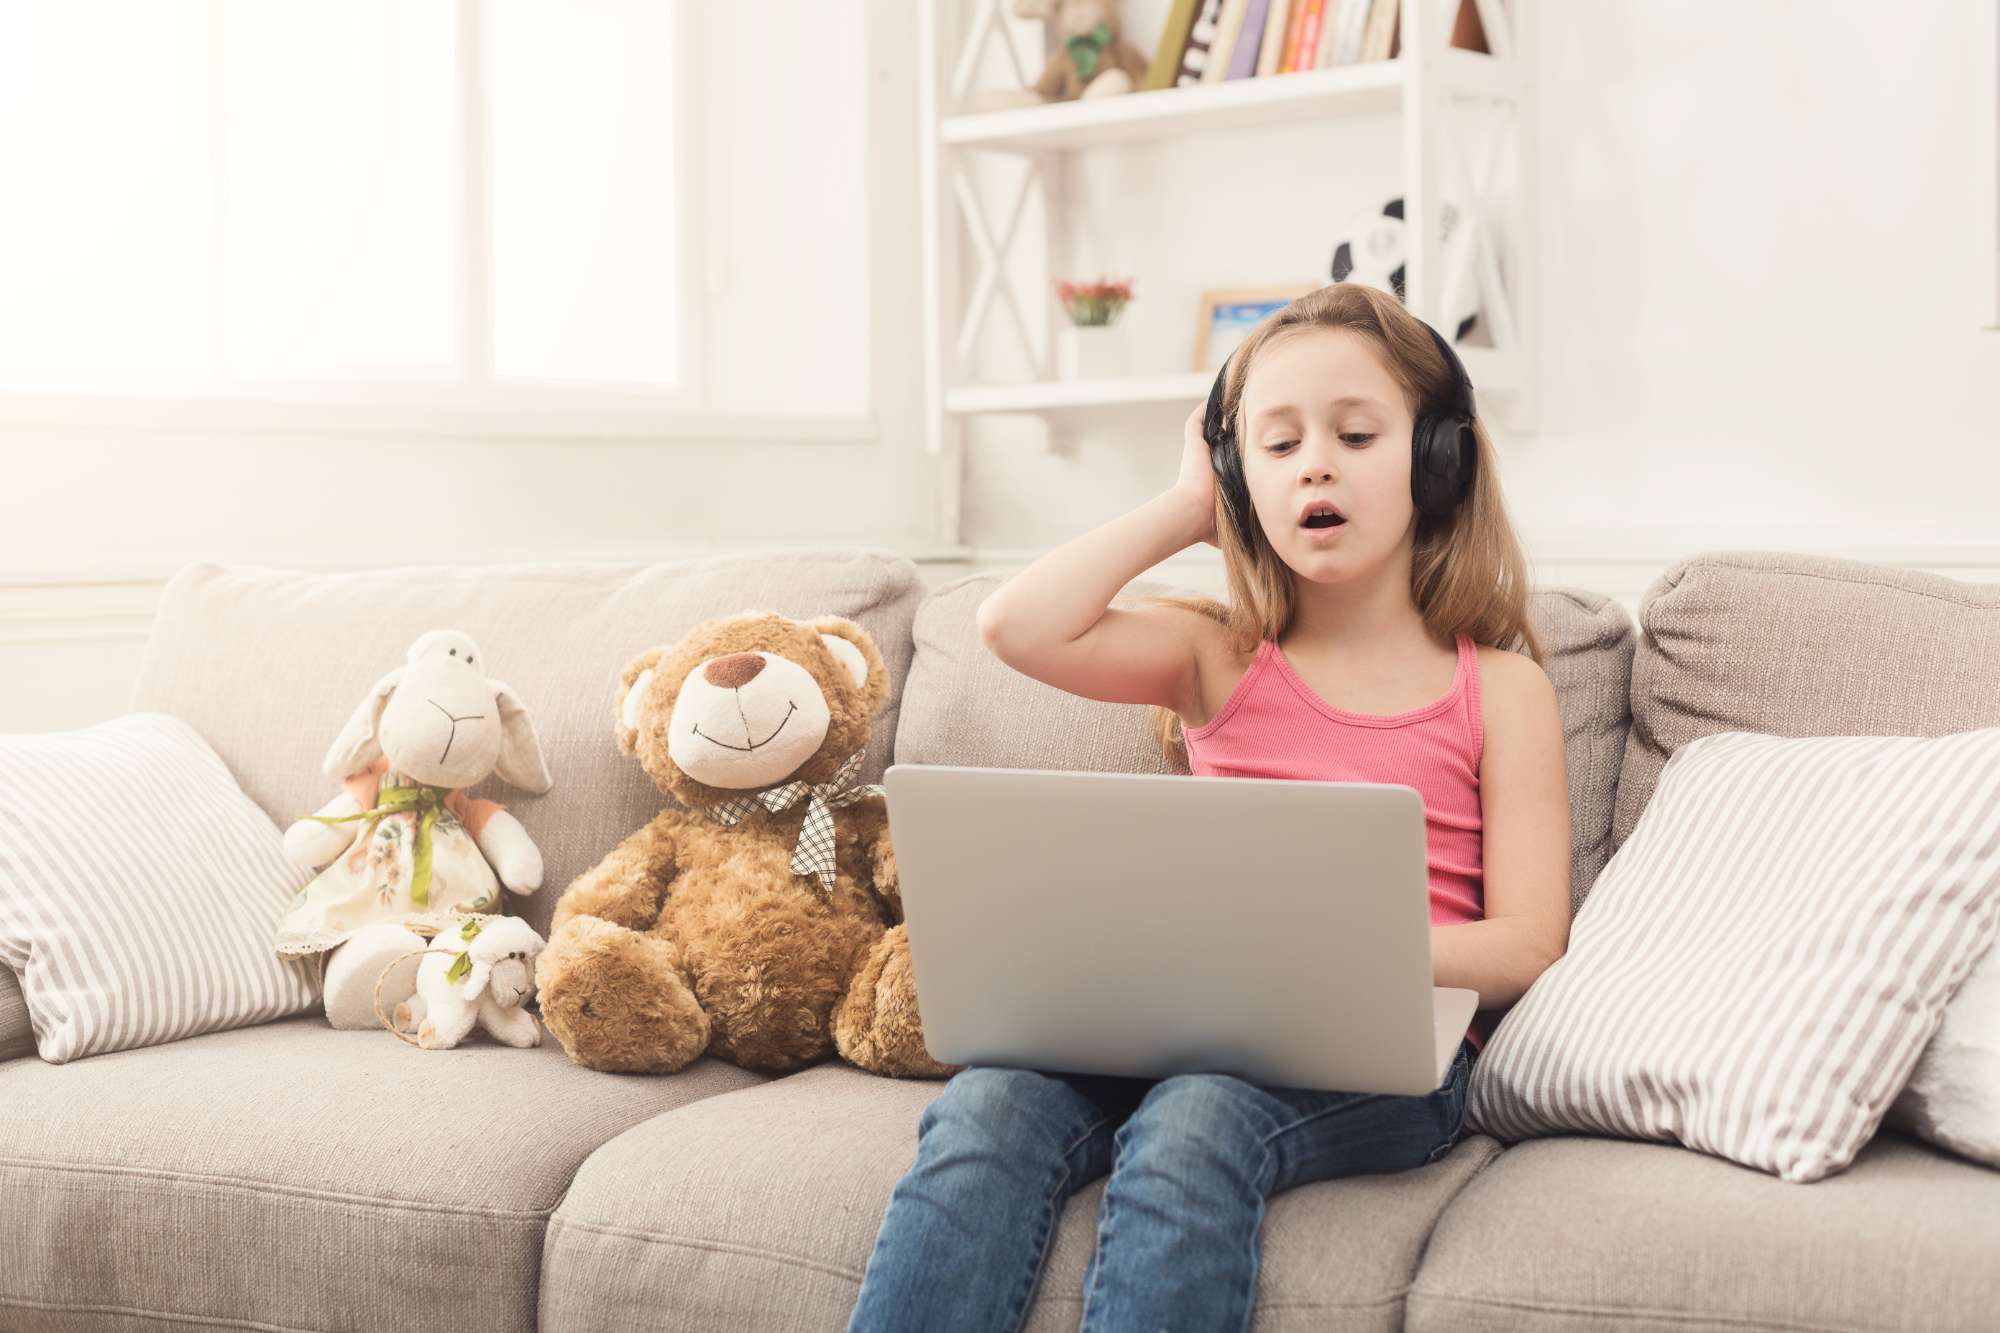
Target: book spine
<point x="1224" y="48"/>
<point x="1357" y="29"/>
<point x="1381" y="31"/>
<point x="1275" y="25"/>
<point x="1173" y="40"/>
<point x="1288" y="61"/>
<point x="1250" y="42"/>
<point x="1309" y="34"/>
<point x="1333" y="33"/>
<point x="1200" y="38"/>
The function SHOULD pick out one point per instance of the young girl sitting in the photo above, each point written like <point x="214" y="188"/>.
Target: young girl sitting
<point x="1369" y="646"/>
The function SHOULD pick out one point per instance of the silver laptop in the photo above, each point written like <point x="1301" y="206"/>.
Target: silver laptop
<point x="1148" y="925"/>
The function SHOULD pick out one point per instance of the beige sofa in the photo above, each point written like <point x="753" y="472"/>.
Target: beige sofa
<point x="293" y="1177"/>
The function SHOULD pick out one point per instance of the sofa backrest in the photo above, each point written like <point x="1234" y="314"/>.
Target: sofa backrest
<point x="268" y="664"/>
<point x="1803" y="645"/>
<point x="962" y="705"/>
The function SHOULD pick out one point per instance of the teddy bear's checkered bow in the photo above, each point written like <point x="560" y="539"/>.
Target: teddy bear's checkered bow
<point x="814" y="854"/>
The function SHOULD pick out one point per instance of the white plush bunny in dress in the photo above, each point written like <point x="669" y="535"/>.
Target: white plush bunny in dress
<point x="403" y="842"/>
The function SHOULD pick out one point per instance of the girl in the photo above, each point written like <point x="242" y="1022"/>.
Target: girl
<point x="1369" y="650"/>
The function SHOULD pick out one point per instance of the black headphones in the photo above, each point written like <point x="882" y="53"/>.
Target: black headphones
<point x="1444" y="453"/>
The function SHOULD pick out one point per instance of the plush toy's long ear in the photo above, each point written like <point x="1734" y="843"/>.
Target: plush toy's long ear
<point x="357" y="747"/>
<point x="521" y="761"/>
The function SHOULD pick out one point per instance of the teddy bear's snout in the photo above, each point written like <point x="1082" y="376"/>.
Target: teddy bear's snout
<point x="734" y="671"/>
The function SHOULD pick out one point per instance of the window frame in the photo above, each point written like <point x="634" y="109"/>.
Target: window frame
<point x="465" y="401"/>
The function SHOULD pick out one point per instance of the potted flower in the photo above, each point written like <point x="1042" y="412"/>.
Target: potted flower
<point x="1090" y="347"/>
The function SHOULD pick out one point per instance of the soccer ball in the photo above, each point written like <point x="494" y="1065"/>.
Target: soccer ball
<point x="1374" y="247"/>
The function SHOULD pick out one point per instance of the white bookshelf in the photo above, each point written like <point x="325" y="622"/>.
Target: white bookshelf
<point x="1421" y="90"/>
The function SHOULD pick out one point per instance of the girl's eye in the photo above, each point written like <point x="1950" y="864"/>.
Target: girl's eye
<point x="1353" y="437"/>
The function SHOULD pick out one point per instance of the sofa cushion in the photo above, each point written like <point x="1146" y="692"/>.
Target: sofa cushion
<point x="962" y="705"/>
<point x="1803" y="645"/>
<point x="268" y="664"/>
<point x="293" y="1176"/>
<point x="1584" y="1233"/>
<point x="759" y="1209"/>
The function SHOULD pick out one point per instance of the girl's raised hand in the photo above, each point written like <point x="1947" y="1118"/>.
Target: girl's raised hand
<point x="1196" y="483"/>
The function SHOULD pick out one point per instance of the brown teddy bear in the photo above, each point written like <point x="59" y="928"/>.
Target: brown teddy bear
<point x="761" y="921"/>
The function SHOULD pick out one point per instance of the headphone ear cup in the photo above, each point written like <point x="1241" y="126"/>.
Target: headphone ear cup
<point x="1225" y="460"/>
<point x="1423" y="466"/>
<point x="1443" y="454"/>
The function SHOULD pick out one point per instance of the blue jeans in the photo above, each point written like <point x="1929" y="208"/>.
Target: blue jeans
<point x="1191" y="1161"/>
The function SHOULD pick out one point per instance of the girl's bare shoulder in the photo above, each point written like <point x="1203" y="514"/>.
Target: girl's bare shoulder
<point x="1219" y="666"/>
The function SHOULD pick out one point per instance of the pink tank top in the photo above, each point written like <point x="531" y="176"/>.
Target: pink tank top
<point x="1274" y="726"/>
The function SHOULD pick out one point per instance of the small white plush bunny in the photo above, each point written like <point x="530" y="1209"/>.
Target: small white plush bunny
<point x="403" y="843"/>
<point x="486" y="981"/>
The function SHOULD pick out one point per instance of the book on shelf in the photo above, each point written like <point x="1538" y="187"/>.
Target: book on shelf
<point x="1379" y="42"/>
<point x="1201" y="38"/>
<point x="1305" y="46"/>
<point x="1227" y="25"/>
<point x="1211" y="41"/>
<point x="1173" y="40"/>
<point x="1353" y="28"/>
<point x="1275" y="24"/>
<point x="1250" y="41"/>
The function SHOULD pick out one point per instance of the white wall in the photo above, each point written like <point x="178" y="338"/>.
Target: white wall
<point x="1755" y="320"/>
<point x="1755" y="326"/>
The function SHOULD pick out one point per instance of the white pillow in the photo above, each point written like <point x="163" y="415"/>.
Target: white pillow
<point x="139" y="888"/>
<point x="17" y="1034"/>
<point x="1758" y="968"/>
<point x="1953" y="1097"/>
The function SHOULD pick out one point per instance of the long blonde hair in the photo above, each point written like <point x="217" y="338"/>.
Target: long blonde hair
<point x="1467" y="572"/>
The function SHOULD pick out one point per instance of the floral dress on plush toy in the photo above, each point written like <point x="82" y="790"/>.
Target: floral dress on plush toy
<point x="403" y="846"/>
<point x="415" y="858"/>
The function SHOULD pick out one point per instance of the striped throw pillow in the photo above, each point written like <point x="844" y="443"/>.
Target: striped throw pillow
<point x="139" y="888"/>
<point x="1759" y="966"/>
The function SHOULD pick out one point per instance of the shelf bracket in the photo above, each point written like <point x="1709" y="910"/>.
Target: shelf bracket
<point x="990" y="20"/>
<point x="992" y="254"/>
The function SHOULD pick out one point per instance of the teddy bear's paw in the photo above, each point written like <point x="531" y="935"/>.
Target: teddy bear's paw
<point x="876" y="1026"/>
<point x="615" y="1000"/>
<point x="887" y="882"/>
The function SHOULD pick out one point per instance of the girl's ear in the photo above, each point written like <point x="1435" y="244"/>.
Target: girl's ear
<point x="521" y="761"/>
<point x="634" y="681"/>
<point x="357" y="746"/>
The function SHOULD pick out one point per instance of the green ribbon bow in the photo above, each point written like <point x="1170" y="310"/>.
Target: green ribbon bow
<point x="394" y="800"/>
<point x="461" y="966"/>
<point x="1086" y="48"/>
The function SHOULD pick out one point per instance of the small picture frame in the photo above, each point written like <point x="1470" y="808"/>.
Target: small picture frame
<point x="1228" y="316"/>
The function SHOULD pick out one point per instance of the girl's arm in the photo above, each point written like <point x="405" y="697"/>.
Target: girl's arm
<point x="1054" y="620"/>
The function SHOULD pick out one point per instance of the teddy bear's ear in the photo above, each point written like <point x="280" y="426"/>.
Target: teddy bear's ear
<point x="854" y="650"/>
<point x="634" y="682"/>
<point x="848" y="656"/>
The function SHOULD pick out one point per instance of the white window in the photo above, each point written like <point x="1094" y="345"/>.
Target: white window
<point x="634" y="217"/>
